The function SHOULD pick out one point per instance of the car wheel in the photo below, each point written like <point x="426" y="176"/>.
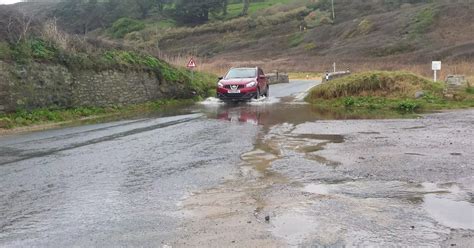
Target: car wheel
<point x="267" y="92"/>
<point x="258" y="94"/>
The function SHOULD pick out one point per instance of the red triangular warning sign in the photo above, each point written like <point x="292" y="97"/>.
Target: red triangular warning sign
<point x="191" y="63"/>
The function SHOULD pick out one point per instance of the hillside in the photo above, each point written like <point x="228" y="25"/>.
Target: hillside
<point x="287" y="33"/>
<point x="296" y="35"/>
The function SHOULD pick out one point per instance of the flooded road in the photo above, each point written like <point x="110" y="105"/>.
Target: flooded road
<point x="270" y="173"/>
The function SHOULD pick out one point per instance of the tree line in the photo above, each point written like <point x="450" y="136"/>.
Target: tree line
<point x="82" y="16"/>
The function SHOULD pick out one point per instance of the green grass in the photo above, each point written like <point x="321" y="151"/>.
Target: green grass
<point x="296" y="39"/>
<point x="107" y="59"/>
<point x="380" y="104"/>
<point x="234" y="10"/>
<point x="164" y="24"/>
<point x="386" y="91"/>
<point x="5" y="51"/>
<point x="470" y="90"/>
<point x="24" y="118"/>
<point x="376" y="83"/>
<point x="423" y="21"/>
<point x="124" y="26"/>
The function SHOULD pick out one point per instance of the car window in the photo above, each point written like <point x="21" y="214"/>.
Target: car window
<point x="241" y="73"/>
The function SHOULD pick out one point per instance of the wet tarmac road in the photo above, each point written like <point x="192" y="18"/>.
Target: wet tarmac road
<point x="211" y="176"/>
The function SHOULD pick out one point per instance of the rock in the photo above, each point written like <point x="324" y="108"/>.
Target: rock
<point x="419" y="94"/>
<point x="456" y="80"/>
<point x="267" y="218"/>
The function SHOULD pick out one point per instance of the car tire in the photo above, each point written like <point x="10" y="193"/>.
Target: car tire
<point x="267" y="92"/>
<point x="258" y="94"/>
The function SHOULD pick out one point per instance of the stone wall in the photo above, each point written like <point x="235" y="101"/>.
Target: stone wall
<point x="40" y="85"/>
<point x="278" y="78"/>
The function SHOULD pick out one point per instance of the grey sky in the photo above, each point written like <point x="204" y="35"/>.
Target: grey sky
<point x="8" y="1"/>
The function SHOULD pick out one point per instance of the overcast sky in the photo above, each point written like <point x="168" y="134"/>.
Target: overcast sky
<point x="8" y="1"/>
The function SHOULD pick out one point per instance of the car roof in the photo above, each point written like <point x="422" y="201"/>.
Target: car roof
<point x="244" y="68"/>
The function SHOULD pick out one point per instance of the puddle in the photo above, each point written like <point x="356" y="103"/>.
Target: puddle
<point x="319" y="189"/>
<point x="450" y="213"/>
<point x="447" y="205"/>
<point x="293" y="227"/>
<point x="260" y="159"/>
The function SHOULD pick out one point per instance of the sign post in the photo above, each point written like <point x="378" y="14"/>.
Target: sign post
<point x="191" y="65"/>
<point x="436" y="66"/>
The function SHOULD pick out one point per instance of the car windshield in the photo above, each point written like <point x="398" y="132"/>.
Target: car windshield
<point x="241" y="73"/>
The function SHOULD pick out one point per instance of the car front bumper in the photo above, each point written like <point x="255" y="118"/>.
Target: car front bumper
<point x="245" y="94"/>
<point x="236" y="96"/>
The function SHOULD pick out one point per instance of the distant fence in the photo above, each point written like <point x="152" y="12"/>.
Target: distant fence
<point x="333" y="75"/>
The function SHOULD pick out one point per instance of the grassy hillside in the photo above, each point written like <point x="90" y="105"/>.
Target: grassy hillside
<point x="302" y="35"/>
<point x="283" y="34"/>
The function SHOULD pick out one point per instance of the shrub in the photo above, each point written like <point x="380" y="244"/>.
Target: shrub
<point x="5" y="52"/>
<point x="22" y="53"/>
<point x="407" y="106"/>
<point x="365" y="27"/>
<point x="123" y="26"/>
<point x="321" y="5"/>
<point x="6" y="122"/>
<point x="423" y="21"/>
<point x="310" y="46"/>
<point x="348" y="101"/>
<point x="41" y="50"/>
<point x="317" y="18"/>
<point x="296" y="39"/>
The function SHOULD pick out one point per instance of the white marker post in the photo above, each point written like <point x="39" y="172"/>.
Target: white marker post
<point x="436" y="66"/>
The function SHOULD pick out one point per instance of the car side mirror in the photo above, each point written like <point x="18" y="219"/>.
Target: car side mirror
<point x="220" y="78"/>
<point x="262" y="76"/>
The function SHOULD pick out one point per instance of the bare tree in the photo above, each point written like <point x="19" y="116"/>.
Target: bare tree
<point x="18" y="24"/>
<point x="25" y="24"/>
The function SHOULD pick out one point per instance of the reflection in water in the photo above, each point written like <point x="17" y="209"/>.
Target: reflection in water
<point x="282" y="112"/>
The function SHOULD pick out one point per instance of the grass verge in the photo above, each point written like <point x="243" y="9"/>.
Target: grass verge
<point x="45" y="116"/>
<point x="388" y="91"/>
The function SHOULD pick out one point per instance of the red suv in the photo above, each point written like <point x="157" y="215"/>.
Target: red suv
<point x="243" y="84"/>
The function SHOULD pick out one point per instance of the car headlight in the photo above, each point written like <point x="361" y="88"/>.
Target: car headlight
<point x="220" y="85"/>
<point x="251" y="84"/>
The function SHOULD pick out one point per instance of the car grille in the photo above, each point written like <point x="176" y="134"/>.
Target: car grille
<point x="239" y="86"/>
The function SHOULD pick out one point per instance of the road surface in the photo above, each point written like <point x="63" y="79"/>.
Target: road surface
<point x="270" y="173"/>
